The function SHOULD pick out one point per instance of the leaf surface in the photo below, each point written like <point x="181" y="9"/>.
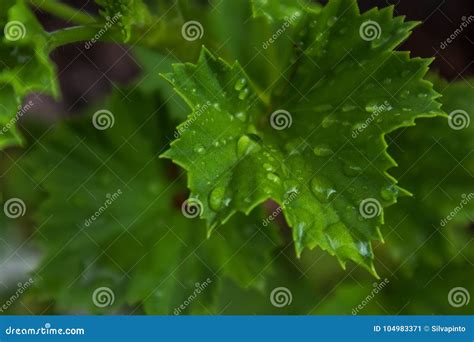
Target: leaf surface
<point x="297" y="147"/>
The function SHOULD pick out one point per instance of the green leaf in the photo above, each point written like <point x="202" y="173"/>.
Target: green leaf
<point x="300" y="147"/>
<point x="139" y="244"/>
<point x="284" y="9"/>
<point x="125" y="13"/>
<point x="25" y="67"/>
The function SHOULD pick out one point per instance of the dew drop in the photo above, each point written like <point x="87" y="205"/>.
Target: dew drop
<point x="328" y="121"/>
<point x="389" y="193"/>
<point x="322" y="190"/>
<point x="323" y="108"/>
<point x="242" y="116"/>
<point x="332" y="21"/>
<point x="404" y="94"/>
<point x="371" y="107"/>
<point x="268" y="167"/>
<point x="352" y="170"/>
<point x="199" y="149"/>
<point x="240" y="84"/>
<point x="216" y="198"/>
<point x="348" y="107"/>
<point x="323" y="151"/>
<point x="274" y="178"/>
<point x="244" y="94"/>
<point x="291" y="186"/>
<point x="363" y="248"/>
<point x="246" y="145"/>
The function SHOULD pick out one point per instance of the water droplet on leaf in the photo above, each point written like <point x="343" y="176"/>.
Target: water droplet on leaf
<point x="216" y="198"/>
<point x="322" y="189"/>
<point x="323" y="151"/>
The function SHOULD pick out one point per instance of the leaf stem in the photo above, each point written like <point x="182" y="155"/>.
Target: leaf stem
<point x="64" y="11"/>
<point x="81" y="33"/>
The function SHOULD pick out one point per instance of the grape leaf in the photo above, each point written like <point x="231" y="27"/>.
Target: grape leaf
<point x="25" y="67"/>
<point x="298" y="148"/>
<point x="275" y="10"/>
<point x="139" y="244"/>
